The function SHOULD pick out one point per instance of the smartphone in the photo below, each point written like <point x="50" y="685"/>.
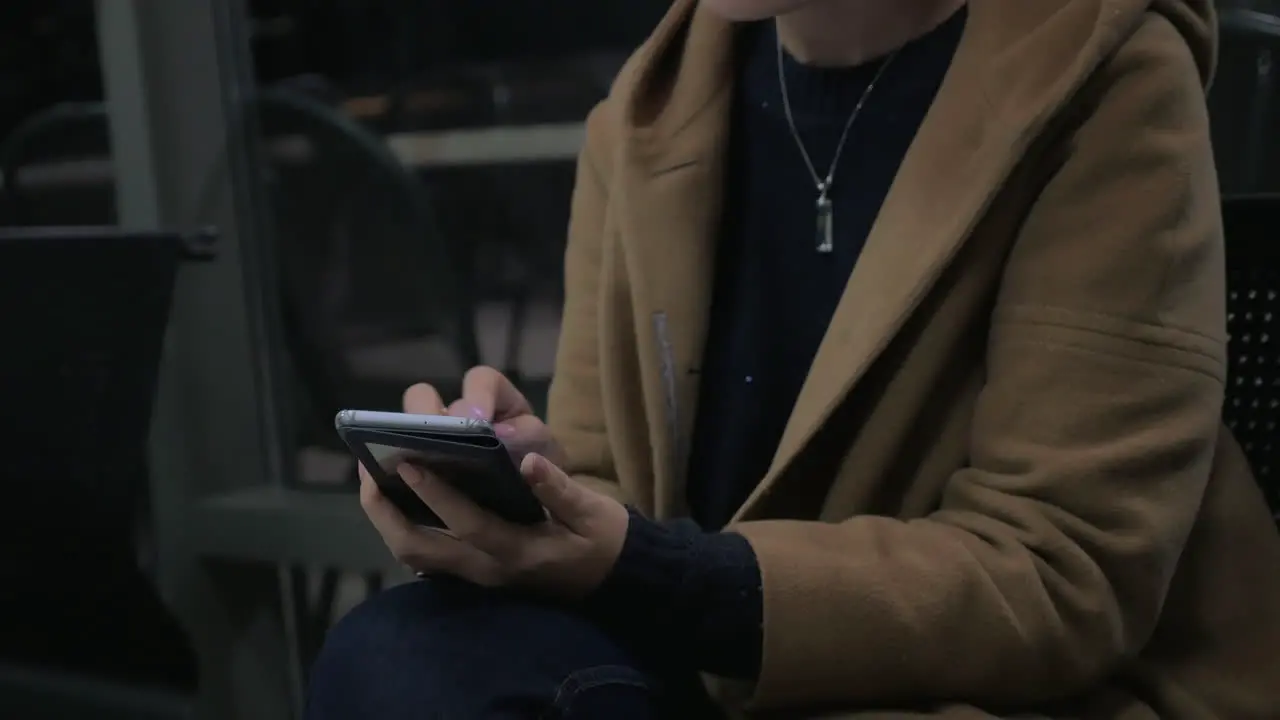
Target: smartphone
<point x="460" y="451"/>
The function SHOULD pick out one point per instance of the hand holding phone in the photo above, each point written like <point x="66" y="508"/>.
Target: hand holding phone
<point x="567" y="558"/>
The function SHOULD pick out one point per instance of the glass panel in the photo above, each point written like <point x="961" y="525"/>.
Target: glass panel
<point x="423" y="161"/>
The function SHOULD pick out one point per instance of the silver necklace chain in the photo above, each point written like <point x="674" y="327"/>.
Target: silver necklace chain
<point x="821" y="183"/>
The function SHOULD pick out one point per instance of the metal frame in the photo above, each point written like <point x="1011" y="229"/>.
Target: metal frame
<point x="174" y="73"/>
<point x="421" y="150"/>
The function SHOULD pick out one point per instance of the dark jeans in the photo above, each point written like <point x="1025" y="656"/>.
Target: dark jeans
<point x="444" y="649"/>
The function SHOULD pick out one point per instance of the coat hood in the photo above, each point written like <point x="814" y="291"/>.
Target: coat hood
<point x="1196" y="20"/>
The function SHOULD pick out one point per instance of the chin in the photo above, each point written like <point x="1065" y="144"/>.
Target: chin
<point x="748" y="10"/>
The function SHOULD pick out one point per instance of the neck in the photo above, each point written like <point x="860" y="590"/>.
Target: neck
<point x="835" y="33"/>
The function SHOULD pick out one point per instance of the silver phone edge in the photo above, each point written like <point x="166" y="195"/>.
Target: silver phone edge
<point x="407" y="422"/>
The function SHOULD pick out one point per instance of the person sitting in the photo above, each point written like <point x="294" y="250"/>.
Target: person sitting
<point x="889" y="385"/>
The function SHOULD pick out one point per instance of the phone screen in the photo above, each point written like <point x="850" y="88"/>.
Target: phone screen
<point x="450" y="467"/>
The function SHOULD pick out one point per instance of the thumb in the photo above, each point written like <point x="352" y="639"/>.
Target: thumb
<point x="567" y="501"/>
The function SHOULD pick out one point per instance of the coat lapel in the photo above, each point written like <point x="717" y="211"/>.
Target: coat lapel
<point x="669" y="198"/>
<point x="668" y="236"/>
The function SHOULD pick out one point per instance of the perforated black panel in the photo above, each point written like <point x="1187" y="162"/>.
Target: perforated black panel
<point x="1253" y="390"/>
<point x="1252" y="408"/>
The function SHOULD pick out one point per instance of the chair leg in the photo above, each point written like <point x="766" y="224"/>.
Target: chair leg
<point x="373" y="583"/>
<point x="313" y="619"/>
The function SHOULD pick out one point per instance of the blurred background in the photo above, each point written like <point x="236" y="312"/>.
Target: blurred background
<point x="223" y="220"/>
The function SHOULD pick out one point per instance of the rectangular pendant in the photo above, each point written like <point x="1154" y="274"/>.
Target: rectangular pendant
<point x="825" y="231"/>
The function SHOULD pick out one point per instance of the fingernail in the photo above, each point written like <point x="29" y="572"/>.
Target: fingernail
<point x="534" y="469"/>
<point x="504" y="430"/>
<point x="549" y="474"/>
<point x="477" y="413"/>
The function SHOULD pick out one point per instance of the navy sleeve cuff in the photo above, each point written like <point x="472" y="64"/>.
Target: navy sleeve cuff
<point x="680" y="592"/>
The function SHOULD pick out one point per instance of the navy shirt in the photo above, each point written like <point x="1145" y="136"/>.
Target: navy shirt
<point x="774" y="293"/>
<point x="682" y="588"/>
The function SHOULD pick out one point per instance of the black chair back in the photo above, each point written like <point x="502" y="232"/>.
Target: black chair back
<point x="85" y="315"/>
<point x="1252" y="409"/>
<point x="357" y="224"/>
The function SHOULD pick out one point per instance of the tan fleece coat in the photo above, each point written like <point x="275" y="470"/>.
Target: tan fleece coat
<point x="1038" y="513"/>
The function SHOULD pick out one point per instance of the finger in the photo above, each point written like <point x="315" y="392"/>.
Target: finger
<point x="432" y="552"/>
<point x="422" y="399"/>
<point x="423" y="549"/>
<point x="522" y="435"/>
<point x="468" y="521"/>
<point x="571" y="504"/>
<point x="462" y="408"/>
<point x="493" y="395"/>
<point x="396" y="531"/>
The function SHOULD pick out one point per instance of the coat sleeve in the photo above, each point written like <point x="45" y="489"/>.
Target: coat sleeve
<point x="575" y="411"/>
<point x="1048" y="561"/>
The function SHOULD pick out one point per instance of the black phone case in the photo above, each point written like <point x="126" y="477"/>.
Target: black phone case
<point x="478" y="466"/>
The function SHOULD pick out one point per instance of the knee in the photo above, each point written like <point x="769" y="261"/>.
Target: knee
<point x="458" y="621"/>
<point x="391" y="652"/>
<point x="426" y="642"/>
<point x="400" y="619"/>
<point x="385" y="614"/>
